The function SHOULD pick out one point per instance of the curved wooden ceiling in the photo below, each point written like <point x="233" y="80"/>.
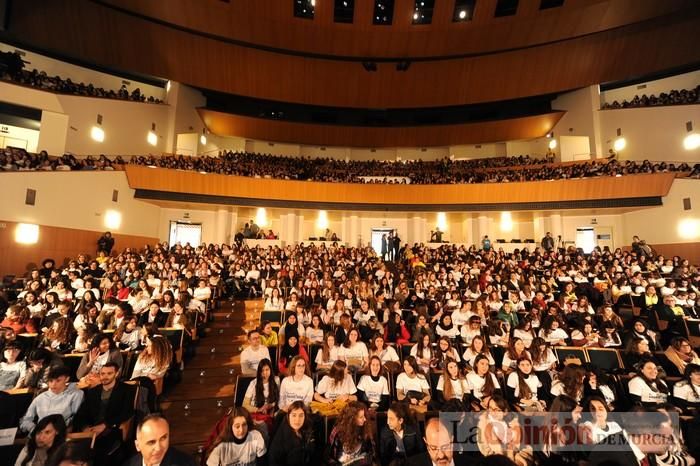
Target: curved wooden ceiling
<point x="271" y="24"/>
<point x="225" y="124"/>
<point x="92" y="32"/>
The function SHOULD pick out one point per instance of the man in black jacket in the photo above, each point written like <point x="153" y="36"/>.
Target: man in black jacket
<point x="103" y="410"/>
<point x="153" y="445"/>
<point x="105" y="243"/>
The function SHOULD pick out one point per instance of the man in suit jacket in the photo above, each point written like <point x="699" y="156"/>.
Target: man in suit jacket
<point x="440" y="449"/>
<point x="153" y="445"/>
<point x="104" y="408"/>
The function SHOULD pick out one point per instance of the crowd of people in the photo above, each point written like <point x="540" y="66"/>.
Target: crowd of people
<point x="675" y="97"/>
<point x="443" y="171"/>
<point x="371" y="347"/>
<point x="12" y="69"/>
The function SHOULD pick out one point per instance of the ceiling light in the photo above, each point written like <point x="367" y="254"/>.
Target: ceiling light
<point x="506" y="221"/>
<point x="553" y="144"/>
<point x="415" y="16"/>
<point x="167" y="86"/>
<point x="462" y="14"/>
<point x="27" y="233"/>
<point x="203" y="137"/>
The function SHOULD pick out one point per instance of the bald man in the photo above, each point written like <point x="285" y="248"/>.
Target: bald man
<point x="153" y="445"/>
<point x="440" y="450"/>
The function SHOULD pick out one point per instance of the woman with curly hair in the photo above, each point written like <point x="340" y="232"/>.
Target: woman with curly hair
<point x="238" y="443"/>
<point x="155" y="359"/>
<point x="569" y="382"/>
<point x="17" y="318"/>
<point x="352" y="440"/>
<point x="128" y="335"/>
<point x="58" y="337"/>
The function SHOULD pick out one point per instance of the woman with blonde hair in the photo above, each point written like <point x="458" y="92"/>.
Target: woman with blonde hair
<point x="155" y="359"/>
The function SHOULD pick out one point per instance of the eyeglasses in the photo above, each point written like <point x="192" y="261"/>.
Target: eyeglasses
<point x="437" y="448"/>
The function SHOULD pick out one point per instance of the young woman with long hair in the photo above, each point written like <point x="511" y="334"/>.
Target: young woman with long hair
<point x="59" y="337"/>
<point x="352" y="440"/>
<point x="478" y="346"/>
<point x="262" y="394"/>
<point x="337" y="385"/>
<point x="298" y="385"/>
<point x="373" y="387"/>
<point x="353" y="351"/>
<point x="400" y="424"/>
<point x="154" y="361"/>
<point x="451" y="385"/>
<point x="647" y="389"/>
<point x="443" y="353"/>
<point x="569" y="382"/>
<point x="387" y="354"/>
<point x="48" y="435"/>
<point x="294" y="443"/>
<point x="412" y="384"/>
<point x="482" y="383"/>
<point x="423" y="352"/>
<point x="516" y="350"/>
<point x="524" y="388"/>
<point x="328" y="354"/>
<point x="238" y="443"/>
<point x="472" y="328"/>
<point x="686" y="393"/>
<point x="128" y="335"/>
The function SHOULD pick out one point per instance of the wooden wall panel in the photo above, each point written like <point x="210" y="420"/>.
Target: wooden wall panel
<point x="59" y="244"/>
<point x="270" y="23"/>
<point x="226" y="124"/>
<point x="158" y="179"/>
<point x="86" y="30"/>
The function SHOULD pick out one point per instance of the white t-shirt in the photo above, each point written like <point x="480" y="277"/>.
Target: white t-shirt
<point x="373" y="389"/>
<point x="460" y="387"/>
<point x="332" y="354"/>
<point x="292" y="390"/>
<point x="468" y="334"/>
<point x="476" y="384"/>
<point x="327" y="388"/>
<point x="554" y="335"/>
<point x="358" y="350"/>
<point x="637" y="386"/>
<point x="405" y="384"/>
<point x="684" y="391"/>
<point x="532" y="381"/>
<point x="250" y="391"/>
<point x="470" y="356"/>
<point x="233" y="454"/>
<point x="546" y="363"/>
<point x="524" y="335"/>
<point x="508" y="362"/>
<point x="451" y="333"/>
<point x="250" y="359"/>
<point x="388" y="354"/>
<point x="363" y="317"/>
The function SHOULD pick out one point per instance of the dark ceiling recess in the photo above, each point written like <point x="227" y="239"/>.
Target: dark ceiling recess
<point x="343" y="11"/>
<point x="547" y="4"/>
<point x="506" y="8"/>
<point x="383" y="12"/>
<point x="464" y="10"/>
<point x="423" y="11"/>
<point x="304" y="8"/>
<point x="298" y="113"/>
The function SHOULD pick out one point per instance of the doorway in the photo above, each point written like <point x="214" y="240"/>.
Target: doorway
<point x="183" y="233"/>
<point x="585" y="239"/>
<point x="377" y="238"/>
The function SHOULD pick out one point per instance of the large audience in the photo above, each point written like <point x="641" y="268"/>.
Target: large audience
<point x="354" y="357"/>
<point x="445" y="171"/>
<point x="674" y="97"/>
<point x="12" y="69"/>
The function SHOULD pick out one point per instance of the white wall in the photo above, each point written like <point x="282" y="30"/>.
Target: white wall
<point x="665" y="225"/>
<point x="653" y="133"/>
<point x="14" y="136"/>
<point x="125" y="123"/>
<point x="76" y="200"/>
<point x="656" y="87"/>
<point x="273" y="148"/>
<point x="79" y="74"/>
<point x="580" y="117"/>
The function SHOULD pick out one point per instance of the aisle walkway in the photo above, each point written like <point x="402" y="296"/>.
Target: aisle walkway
<point x="208" y="381"/>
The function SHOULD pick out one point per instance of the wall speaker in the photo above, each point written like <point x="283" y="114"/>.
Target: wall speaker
<point x="686" y="203"/>
<point x="115" y="195"/>
<point x="30" y="198"/>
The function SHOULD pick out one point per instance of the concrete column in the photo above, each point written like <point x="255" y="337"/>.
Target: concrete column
<point x="354" y="236"/>
<point x="483" y="229"/>
<point x="538" y="226"/>
<point x="300" y="235"/>
<point x="557" y="227"/>
<point x="467" y="230"/>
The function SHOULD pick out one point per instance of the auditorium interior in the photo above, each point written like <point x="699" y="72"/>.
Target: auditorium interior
<point x="295" y="232"/>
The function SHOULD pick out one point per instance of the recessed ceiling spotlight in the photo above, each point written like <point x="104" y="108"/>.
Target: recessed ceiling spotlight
<point x="462" y="14"/>
<point x="415" y="15"/>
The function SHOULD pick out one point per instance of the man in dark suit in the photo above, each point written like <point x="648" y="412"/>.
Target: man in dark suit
<point x="104" y="408"/>
<point x="396" y="245"/>
<point x="153" y="445"/>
